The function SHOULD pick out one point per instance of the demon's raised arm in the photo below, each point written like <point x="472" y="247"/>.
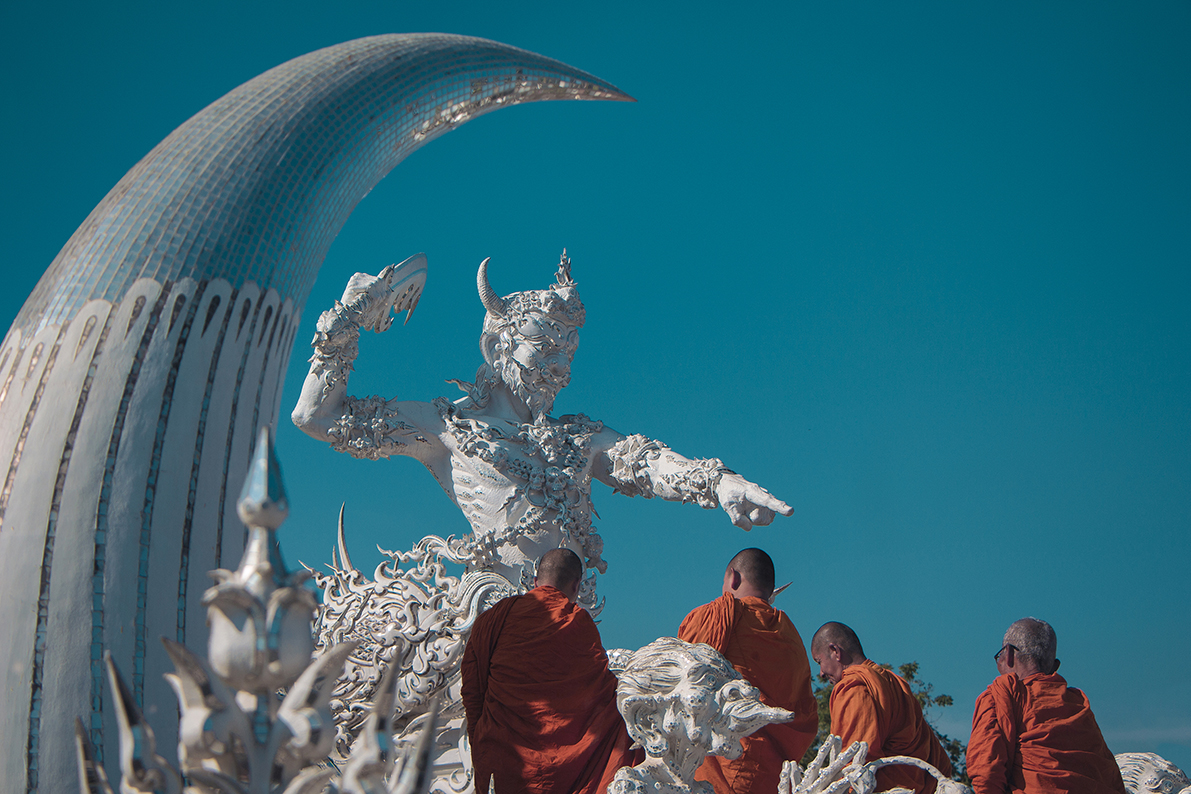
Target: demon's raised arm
<point x="362" y="427"/>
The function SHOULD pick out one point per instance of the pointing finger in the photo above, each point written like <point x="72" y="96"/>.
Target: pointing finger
<point x="775" y="504"/>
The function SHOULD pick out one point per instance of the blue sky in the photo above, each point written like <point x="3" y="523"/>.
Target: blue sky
<point x="922" y="271"/>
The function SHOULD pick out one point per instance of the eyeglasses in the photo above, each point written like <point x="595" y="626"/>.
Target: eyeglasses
<point x="1012" y="650"/>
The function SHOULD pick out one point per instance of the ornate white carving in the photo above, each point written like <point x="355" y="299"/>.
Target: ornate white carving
<point x="835" y="772"/>
<point x="680" y="702"/>
<point x="864" y="780"/>
<point x="548" y="464"/>
<point x="1150" y="773"/>
<point x="618" y="659"/>
<point x="634" y="458"/>
<point x="825" y="774"/>
<point x="367" y="427"/>
<point x="238" y="734"/>
<point x="410" y="616"/>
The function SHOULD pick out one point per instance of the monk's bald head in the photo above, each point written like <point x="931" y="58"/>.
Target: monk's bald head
<point x="560" y="568"/>
<point x="835" y="648"/>
<point x="1035" y="640"/>
<point x="841" y="636"/>
<point x="756" y="569"/>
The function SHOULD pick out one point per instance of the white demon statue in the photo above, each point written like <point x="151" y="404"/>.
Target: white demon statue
<point x="521" y="477"/>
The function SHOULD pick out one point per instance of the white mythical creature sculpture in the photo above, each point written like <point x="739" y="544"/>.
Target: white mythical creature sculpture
<point x="681" y="701"/>
<point x="254" y="716"/>
<point x="1149" y="773"/>
<point x="521" y="477"/>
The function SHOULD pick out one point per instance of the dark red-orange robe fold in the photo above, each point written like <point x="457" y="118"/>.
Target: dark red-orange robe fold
<point x="765" y="648"/>
<point x="875" y="705"/>
<point x="540" y="700"/>
<point x="1038" y="735"/>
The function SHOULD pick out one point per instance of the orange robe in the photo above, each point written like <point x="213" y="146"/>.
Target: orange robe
<point x="765" y="648"/>
<point x="1038" y="735"/>
<point x="540" y="700"/>
<point x="874" y="705"/>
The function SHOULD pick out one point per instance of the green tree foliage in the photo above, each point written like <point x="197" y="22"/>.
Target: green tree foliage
<point x="922" y="690"/>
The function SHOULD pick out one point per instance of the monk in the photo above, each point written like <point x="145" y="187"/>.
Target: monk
<point x="1030" y="731"/>
<point x="765" y="648"/>
<point x="875" y="705"/>
<point x="540" y="700"/>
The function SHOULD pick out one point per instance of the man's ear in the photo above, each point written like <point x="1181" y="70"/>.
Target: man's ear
<point x="736" y="579"/>
<point x="490" y="348"/>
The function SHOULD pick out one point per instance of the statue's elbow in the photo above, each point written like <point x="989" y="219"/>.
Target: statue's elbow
<point x="306" y="421"/>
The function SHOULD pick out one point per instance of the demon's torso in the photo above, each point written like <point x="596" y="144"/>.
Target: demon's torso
<point x="527" y="487"/>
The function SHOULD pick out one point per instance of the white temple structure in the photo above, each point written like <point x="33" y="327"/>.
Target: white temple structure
<point x="135" y="384"/>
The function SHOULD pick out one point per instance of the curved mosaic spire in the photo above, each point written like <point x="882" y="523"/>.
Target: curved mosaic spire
<point x="256" y="186"/>
<point x="137" y="375"/>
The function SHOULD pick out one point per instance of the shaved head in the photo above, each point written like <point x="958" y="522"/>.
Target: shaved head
<point x="839" y="635"/>
<point x="560" y="568"/>
<point x="1034" y="639"/>
<point x="756" y="568"/>
<point x="835" y="648"/>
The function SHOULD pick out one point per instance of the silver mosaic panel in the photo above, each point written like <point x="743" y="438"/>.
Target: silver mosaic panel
<point x="256" y="186"/>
